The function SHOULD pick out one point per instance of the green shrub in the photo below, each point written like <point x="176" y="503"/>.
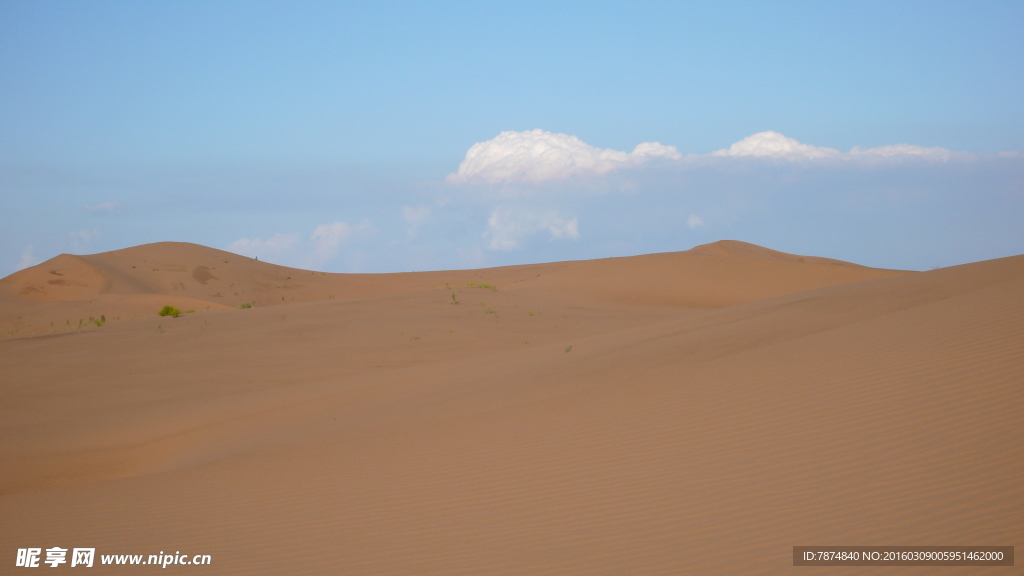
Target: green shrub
<point x="245" y="305"/>
<point x="170" y="311"/>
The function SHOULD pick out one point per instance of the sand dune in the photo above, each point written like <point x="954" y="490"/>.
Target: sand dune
<point x="694" y="412"/>
<point x="63" y="292"/>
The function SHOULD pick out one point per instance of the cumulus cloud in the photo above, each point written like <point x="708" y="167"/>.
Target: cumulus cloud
<point x="538" y="156"/>
<point x="415" y="216"/>
<point x="694" y="221"/>
<point x="27" y="260"/>
<point x="776" y="145"/>
<point x="507" y="230"/>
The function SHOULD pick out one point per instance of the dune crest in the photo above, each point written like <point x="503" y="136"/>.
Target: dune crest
<point x="736" y="248"/>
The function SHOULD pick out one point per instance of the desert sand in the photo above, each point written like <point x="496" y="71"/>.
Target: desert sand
<point x="697" y="412"/>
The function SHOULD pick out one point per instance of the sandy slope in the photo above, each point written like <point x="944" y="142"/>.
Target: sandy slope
<point x="717" y="407"/>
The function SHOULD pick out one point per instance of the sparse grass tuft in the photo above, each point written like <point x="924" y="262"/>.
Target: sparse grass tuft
<point x="490" y="287"/>
<point x="568" y="348"/>
<point x="454" y="301"/>
<point x="245" y="305"/>
<point x="170" y="311"/>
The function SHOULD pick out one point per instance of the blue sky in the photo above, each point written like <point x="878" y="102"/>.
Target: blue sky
<point x="331" y="135"/>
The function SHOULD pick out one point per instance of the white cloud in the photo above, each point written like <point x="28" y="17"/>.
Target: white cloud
<point x="84" y="235"/>
<point x="904" y="150"/>
<point x="776" y="145"/>
<point x="108" y="206"/>
<point x="322" y="244"/>
<point x="327" y="238"/>
<point x="82" y="239"/>
<point x="537" y="156"/>
<point x="415" y="216"/>
<point x="694" y="221"/>
<point x="28" y="259"/>
<point x="256" y="247"/>
<point x="507" y="230"/>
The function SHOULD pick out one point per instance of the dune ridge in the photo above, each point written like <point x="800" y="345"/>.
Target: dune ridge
<point x="136" y="282"/>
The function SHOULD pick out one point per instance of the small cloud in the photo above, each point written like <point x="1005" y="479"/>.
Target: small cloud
<point x="694" y="221"/>
<point x="322" y="244"/>
<point x="904" y="150"/>
<point x="538" y="156"/>
<point x="269" y="248"/>
<point x="327" y="238"/>
<point x="27" y="260"/>
<point x="415" y="216"/>
<point x="81" y="239"/>
<point x="507" y="230"/>
<point x="559" y="228"/>
<point x="108" y="206"/>
<point x="84" y="235"/>
<point x="776" y="145"/>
